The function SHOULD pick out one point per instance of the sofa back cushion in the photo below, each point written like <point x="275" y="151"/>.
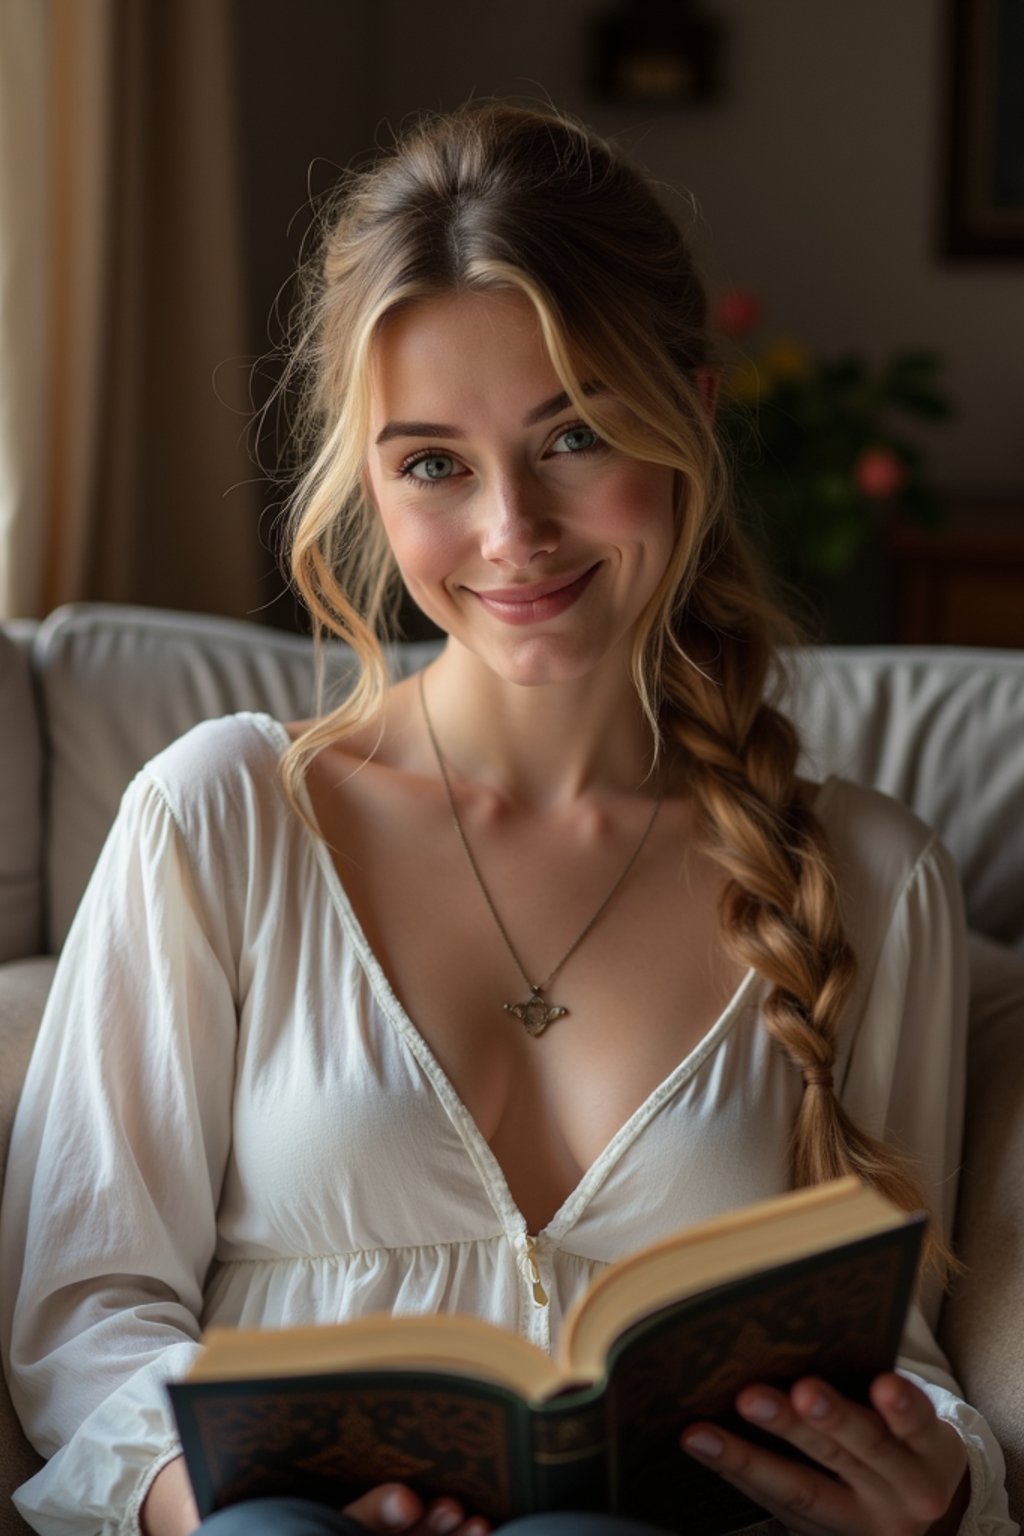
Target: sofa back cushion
<point x="942" y="730"/>
<point x="118" y="684"/>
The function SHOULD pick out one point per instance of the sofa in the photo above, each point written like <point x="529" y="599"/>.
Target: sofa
<point x="91" y="692"/>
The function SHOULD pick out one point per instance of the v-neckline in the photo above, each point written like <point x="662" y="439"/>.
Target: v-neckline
<point x="477" y="1147"/>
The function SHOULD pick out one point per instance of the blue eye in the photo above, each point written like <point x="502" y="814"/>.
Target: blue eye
<point x="431" y="467"/>
<point x="578" y="439"/>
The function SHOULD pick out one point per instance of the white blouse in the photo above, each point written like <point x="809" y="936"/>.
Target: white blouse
<point x="229" y="1118"/>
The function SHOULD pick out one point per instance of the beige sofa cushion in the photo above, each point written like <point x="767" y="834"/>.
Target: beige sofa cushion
<point x="119" y="684"/>
<point x="21" y="827"/>
<point x="943" y="731"/>
<point x="981" y="1321"/>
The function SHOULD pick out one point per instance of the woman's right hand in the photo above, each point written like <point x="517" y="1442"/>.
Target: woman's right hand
<point x="394" y="1510"/>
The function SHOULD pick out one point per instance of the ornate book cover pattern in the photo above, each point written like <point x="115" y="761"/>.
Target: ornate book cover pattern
<point x="331" y="1437"/>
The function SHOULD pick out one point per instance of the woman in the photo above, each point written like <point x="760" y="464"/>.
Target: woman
<point x="653" y="973"/>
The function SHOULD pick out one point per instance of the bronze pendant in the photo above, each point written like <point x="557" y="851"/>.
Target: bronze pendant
<point x="535" y="1015"/>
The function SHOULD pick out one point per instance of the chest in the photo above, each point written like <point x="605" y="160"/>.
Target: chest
<point x="349" y="1136"/>
<point x="641" y="987"/>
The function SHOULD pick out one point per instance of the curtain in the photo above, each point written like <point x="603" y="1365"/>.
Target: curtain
<point x="25" y="242"/>
<point x="127" y="360"/>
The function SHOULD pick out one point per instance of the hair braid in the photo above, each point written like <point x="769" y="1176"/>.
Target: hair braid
<point x="780" y="906"/>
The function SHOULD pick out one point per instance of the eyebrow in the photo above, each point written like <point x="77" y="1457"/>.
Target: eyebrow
<point x="542" y="412"/>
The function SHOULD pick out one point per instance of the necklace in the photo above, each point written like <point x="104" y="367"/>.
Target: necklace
<point x="536" y="1013"/>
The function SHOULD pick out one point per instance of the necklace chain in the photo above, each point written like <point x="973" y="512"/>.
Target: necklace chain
<point x="536" y="1013"/>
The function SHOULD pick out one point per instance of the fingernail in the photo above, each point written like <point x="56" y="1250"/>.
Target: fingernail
<point x="764" y="1409"/>
<point x="444" y="1520"/>
<point x="703" y="1443"/>
<point x="818" y="1406"/>
<point x="394" y="1509"/>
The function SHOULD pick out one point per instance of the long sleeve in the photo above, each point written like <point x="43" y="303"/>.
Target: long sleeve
<point x="116" y="1163"/>
<point x="905" y="1082"/>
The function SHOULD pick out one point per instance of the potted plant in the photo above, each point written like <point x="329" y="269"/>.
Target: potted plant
<point x="820" y="447"/>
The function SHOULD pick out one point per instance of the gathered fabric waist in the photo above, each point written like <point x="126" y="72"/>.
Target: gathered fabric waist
<point x="482" y="1277"/>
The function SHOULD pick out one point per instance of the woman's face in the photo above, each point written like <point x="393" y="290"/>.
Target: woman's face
<point x="516" y="528"/>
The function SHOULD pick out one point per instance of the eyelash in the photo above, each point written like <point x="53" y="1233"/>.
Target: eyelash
<point x="404" y="471"/>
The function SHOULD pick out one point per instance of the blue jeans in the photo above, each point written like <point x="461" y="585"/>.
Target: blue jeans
<point x="301" y="1517"/>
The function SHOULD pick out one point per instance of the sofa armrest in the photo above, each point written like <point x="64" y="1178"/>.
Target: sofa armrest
<point x="980" y="1324"/>
<point x="24" y="985"/>
<point x="21" y="799"/>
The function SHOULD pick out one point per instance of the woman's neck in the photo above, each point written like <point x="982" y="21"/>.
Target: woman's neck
<point x="548" y="744"/>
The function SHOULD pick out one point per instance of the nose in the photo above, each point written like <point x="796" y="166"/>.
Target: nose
<point x="519" y="524"/>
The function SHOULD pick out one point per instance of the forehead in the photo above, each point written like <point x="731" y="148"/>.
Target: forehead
<point x="459" y="346"/>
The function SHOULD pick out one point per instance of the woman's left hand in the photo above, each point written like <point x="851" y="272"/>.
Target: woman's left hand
<point x="894" y="1469"/>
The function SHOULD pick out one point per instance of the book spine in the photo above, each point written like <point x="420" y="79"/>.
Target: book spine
<point x="570" y="1453"/>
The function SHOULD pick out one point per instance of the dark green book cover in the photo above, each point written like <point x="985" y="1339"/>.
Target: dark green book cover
<point x="611" y="1445"/>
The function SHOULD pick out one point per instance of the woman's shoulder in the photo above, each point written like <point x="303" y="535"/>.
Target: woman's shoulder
<point x="879" y="847"/>
<point x="219" y="769"/>
<point x="873" y="821"/>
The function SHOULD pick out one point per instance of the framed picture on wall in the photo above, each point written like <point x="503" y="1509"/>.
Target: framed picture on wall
<point x="985" y="161"/>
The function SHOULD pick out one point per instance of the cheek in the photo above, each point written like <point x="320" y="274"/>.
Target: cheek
<point x="407" y="534"/>
<point x="638" y="504"/>
<point x="425" y="547"/>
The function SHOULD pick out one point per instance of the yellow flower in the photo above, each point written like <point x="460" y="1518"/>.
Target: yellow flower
<point x="784" y="359"/>
<point x="754" y="378"/>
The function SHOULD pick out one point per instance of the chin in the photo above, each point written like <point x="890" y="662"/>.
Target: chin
<point x="542" y="661"/>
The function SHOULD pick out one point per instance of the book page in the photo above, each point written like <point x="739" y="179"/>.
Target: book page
<point x="462" y="1345"/>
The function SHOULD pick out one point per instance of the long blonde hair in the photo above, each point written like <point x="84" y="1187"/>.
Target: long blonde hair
<point x="502" y="197"/>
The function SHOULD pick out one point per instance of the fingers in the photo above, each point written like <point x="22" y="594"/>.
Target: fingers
<point x="395" y="1508"/>
<point x="804" y="1500"/>
<point x="853" y="1442"/>
<point x="892" y="1462"/>
<point x="447" y="1516"/>
<point x="909" y="1414"/>
<point x="911" y="1418"/>
<point x="391" y="1507"/>
<point x="897" y="1449"/>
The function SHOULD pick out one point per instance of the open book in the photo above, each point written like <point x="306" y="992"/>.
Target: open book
<point x="816" y="1281"/>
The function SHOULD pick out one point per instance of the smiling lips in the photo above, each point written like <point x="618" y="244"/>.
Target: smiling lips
<point x="536" y="603"/>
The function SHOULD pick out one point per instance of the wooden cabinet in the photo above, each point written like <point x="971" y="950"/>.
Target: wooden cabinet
<point x="964" y="585"/>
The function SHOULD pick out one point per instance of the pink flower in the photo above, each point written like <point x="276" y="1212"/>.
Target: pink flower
<point x="737" y="312"/>
<point x="879" y="473"/>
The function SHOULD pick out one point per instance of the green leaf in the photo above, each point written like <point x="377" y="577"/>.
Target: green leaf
<point x="844" y="372"/>
<point x="930" y="405"/>
<point x="835" y="545"/>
